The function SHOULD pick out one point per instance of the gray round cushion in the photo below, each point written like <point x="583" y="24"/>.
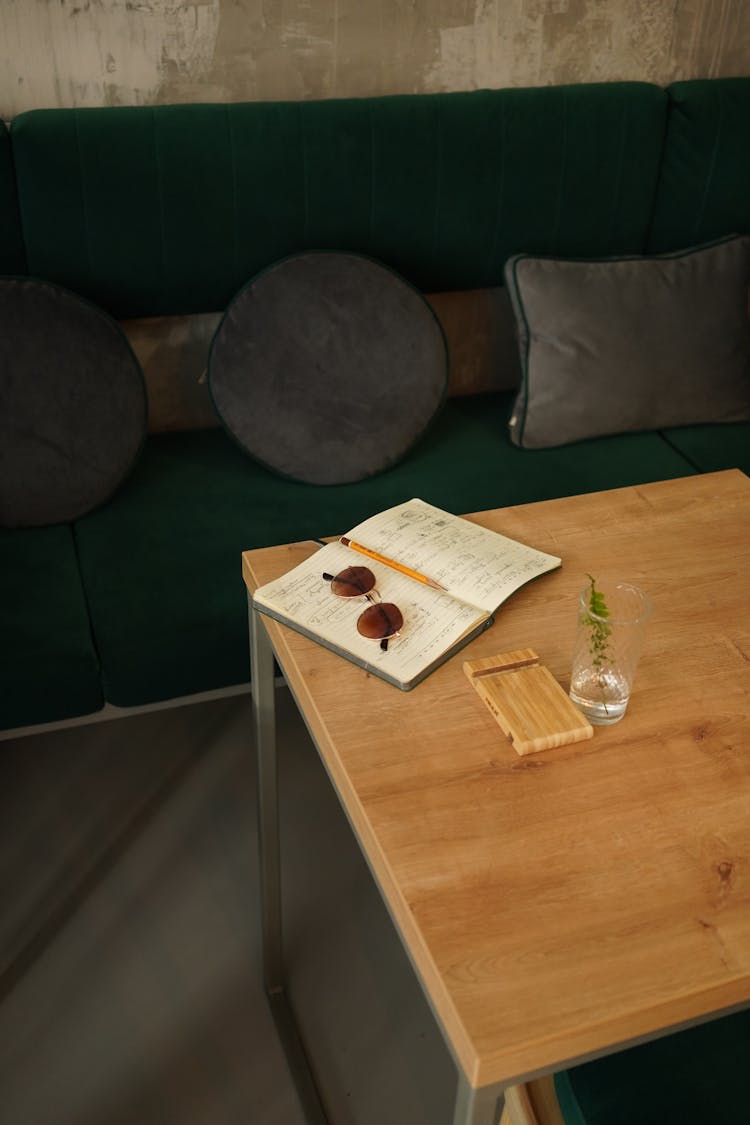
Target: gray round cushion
<point x="327" y="367"/>
<point x="72" y="404"/>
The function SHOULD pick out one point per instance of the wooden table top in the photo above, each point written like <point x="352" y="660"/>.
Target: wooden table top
<point x="564" y="903"/>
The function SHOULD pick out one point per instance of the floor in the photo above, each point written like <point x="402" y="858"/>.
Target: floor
<point x="130" y="988"/>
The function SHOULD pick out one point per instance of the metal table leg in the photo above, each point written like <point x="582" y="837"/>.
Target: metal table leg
<point x="264" y="724"/>
<point x="472" y="1106"/>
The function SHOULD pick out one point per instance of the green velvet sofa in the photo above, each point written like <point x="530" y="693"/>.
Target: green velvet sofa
<point x="166" y="212"/>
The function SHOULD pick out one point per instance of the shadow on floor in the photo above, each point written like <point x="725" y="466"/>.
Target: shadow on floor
<point x="142" y="1000"/>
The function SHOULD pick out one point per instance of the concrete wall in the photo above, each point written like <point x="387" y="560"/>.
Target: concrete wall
<point x="144" y="52"/>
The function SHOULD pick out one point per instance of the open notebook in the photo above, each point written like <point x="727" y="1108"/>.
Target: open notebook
<point x="478" y="569"/>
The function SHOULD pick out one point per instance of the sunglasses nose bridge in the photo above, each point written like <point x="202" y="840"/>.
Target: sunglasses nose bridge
<point x="381" y="621"/>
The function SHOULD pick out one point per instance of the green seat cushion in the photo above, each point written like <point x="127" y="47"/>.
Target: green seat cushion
<point x="48" y="666"/>
<point x="704" y="184"/>
<point x="161" y="561"/>
<point x="152" y="210"/>
<point x="693" y="1077"/>
<point x="711" y="448"/>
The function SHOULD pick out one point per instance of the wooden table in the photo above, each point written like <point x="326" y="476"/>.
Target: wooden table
<point x="560" y="906"/>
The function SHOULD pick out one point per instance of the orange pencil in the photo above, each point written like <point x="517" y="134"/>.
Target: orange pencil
<point x="390" y="562"/>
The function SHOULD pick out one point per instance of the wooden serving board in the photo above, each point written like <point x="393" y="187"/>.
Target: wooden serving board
<point x="527" y="701"/>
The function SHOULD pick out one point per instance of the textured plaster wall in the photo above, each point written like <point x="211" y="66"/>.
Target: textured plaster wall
<point x="142" y="52"/>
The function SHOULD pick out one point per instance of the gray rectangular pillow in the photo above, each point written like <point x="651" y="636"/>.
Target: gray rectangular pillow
<point x="613" y="345"/>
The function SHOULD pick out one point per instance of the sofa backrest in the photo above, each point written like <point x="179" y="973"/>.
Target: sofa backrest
<point x="168" y="210"/>
<point x="703" y="190"/>
<point x="163" y="213"/>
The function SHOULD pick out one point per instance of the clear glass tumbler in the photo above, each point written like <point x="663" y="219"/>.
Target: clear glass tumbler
<point x="612" y="621"/>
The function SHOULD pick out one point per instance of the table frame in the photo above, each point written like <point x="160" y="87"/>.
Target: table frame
<point x="477" y="1103"/>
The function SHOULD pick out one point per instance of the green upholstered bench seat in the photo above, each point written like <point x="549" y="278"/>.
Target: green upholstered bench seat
<point x="161" y="560"/>
<point x="48" y="665"/>
<point x="694" y="1077"/>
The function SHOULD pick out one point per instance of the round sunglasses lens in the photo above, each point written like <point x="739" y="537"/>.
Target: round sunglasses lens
<point x="380" y="621"/>
<point x="353" y="582"/>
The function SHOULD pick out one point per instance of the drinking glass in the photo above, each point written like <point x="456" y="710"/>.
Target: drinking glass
<point x="612" y="621"/>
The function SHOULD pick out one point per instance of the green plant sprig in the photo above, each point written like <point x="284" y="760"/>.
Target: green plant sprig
<point x="596" y="621"/>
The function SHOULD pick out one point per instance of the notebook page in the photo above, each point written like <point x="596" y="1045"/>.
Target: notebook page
<point x="476" y="565"/>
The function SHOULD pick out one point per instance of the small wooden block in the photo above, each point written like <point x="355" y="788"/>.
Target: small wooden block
<point x="527" y="701"/>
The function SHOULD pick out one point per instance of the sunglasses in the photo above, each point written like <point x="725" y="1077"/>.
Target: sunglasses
<point x="381" y="620"/>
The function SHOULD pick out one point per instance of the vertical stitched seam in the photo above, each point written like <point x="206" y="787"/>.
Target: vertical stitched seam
<point x="561" y="180"/>
<point x="658" y="179"/>
<point x="84" y="202"/>
<point x="305" y="179"/>
<point x="499" y="205"/>
<point x="160" y="198"/>
<point x="617" y="198"/>
<point x="235" y="212"/>
<point x="711" y="170"/>
<point x="16" y="201"/>
<point x="438" y="186"/>
<point x="371" y="217"/>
